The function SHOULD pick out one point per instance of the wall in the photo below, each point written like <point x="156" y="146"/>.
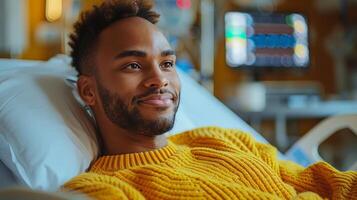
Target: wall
<point x="37" y="50"/>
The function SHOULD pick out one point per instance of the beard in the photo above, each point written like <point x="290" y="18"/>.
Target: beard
<point x="132" y="120"/>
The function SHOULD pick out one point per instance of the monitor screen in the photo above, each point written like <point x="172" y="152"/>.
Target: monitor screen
<point x="257" y="40"/>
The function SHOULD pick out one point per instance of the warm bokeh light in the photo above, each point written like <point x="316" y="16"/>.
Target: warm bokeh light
<point x="53" y="10"/>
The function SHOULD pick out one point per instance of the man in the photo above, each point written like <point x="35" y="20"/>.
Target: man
<point x="127" y="76"/>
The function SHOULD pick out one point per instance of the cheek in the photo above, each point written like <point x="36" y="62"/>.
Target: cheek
<point x="125" y="82"/>
<point x="126" y="88"/>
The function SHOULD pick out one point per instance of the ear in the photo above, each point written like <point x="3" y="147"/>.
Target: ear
<point x="86" y="89"/>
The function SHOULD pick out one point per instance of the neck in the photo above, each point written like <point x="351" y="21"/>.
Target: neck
<point x="119" y="141"/>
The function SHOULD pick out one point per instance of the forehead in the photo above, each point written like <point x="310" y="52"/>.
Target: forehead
<point x="133" y="33"/>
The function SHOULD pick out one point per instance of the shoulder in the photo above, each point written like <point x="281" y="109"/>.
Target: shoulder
<point x="91" y="179"/>
<point x="229" y="140"/>
<point x="225" y="138"/>
<point x="100" y="186"/>
<point x="213" y="134"/>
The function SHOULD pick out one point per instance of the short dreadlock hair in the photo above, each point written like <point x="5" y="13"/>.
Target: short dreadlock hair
<point x="91" y="23"/>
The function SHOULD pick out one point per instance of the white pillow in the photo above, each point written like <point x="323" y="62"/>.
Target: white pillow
<point x="45" y="136"/>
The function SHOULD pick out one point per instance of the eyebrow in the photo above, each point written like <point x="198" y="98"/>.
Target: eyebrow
<point x="130" y="53"/>
<point x="137" y="53"/>
<point x="168" y="53"/>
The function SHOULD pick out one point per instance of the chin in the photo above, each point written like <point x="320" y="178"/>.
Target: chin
<point x="168" y="117"/>
<point x="157" y="126"/>
<point x="156" y="120"/>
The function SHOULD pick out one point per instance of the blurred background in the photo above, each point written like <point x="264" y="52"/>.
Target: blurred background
<point x="281" y="65"/>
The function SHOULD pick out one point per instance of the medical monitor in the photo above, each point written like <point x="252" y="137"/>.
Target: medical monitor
<point x="261" y="40"/>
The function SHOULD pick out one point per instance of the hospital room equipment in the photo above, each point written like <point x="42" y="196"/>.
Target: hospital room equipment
<point x="305" y="151"/>
<point x="260" y="40"/>
<point x="46" y="138"/>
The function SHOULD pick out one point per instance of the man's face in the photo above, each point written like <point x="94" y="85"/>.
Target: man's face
<point x="136" y="80"/>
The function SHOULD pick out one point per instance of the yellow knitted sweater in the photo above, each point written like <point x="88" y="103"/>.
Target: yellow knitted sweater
<point x="211" y="163"/>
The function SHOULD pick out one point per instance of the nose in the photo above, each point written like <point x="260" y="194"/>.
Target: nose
<point x="156" y="79"/>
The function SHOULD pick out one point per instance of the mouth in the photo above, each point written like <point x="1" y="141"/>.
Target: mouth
<point x="157" y="100"/>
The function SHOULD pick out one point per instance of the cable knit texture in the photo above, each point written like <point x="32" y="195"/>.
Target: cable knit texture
<point x="211" y="163"/>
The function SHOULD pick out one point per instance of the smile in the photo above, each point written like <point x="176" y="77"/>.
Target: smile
<point x="164" y="100"/>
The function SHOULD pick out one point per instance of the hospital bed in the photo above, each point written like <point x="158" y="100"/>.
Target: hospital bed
<point x="46" y="137"/>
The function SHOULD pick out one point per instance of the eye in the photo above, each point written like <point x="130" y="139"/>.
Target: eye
<point x="133" y="66"/>
<point x="167" y="65"/>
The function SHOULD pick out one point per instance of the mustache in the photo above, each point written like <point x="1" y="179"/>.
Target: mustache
<point x="152" y="91"/>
